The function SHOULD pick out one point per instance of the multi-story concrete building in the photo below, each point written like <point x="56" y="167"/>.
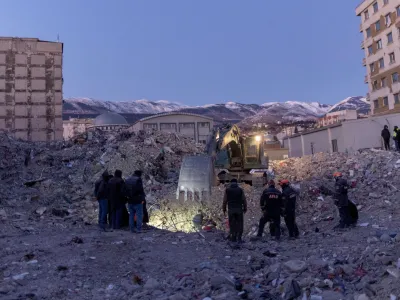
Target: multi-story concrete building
<point x="337" y="117"/>
<point x="31" y="84"/>
<point x="380" y="23"/>
<point x="74" y="127"/>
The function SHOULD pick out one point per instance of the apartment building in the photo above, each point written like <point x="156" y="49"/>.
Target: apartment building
<point x="380" y="26"/>
<point x="31" y="88"/>
<point x="337" y="117"/>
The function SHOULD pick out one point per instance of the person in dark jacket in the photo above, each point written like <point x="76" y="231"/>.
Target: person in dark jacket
<point x="116" y="198"/>
<point x="271" y="206"/>
<point x="101" y="194"/>
<point x="136" y="197"/>
<point x="386" y="137"/>
<point x="342" y="200"/>
<point x="289" y="197"/>
<point x="396" y="137"/>
<point x="235" y="200"/>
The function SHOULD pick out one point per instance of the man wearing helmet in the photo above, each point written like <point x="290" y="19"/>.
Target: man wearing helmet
<point x="289" y="197"/>
<point x="271" y="206"/>
<point x="341" y="199"/>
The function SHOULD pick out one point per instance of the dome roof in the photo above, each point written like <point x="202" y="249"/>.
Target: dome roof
<point x="110" y="118"/>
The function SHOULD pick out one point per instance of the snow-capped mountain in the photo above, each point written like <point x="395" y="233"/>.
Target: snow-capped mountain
<point x="352" y="103"/>
<point x="270" y="112"/>
<point x="93" y="106"/>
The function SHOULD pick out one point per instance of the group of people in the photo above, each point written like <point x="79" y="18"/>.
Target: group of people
<point x="113" y="193"/>
<point x="385" y="134"/>
<point x="277" y="203"/>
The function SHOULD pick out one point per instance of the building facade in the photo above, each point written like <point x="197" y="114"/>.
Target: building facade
<point x="74" y="126"/>
<point x="337" y="117"/>
<point x="191" y="125"/>
<point x="31" y="82"/>
<point x="380" y="26"/>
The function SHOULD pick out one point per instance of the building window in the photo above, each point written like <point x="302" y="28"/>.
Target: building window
<point x="392" y="58"/>
<point x="370" y="52"/>
<point x="395" y="77"/>
<point x="168" y="126"/>
<point x="203" y="125"/>
<point x="398" y="11"/>
<point x="381" y="63"/>
<point x="385" y="2"/>
<point x="375" y="6"/>
<point x="186" y="125"/>
<point x="368" y="31"/>
<point x="379" y="44"/>
<point x="366" y="15"/>
<point x="385" y="101"/>
<point x="383" y="82"/>
<point x="376" y="104"/>
<point x="388" y="20"/>
<point x="372" y="67"/>
<point x="396" y="98"/>
<point x="390" y="38"/>
<point x="375" y="85"/>
<point x="334" y="146"/>
<point x="150" y="126"/>
<point x="378" y="25"/>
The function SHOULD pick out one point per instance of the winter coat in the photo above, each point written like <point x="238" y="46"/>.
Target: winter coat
<point x="101" y="187"/>
<point x="341" y="189"/>
<point x="271" y="202"/>
<point x="289" y="197"/>
<point x="385" y="134"/>
<point x="235" y="199"/>
<point x="134" y="190"/>
<point x="116" y="192"/>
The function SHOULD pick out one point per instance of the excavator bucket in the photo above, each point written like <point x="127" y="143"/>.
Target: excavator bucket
<point x="196" y="176"/>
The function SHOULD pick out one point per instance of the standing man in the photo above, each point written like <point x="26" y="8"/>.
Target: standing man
<point x="235" y="199"/>
<point x="136" y="197"/>
<point x="342" y="200"/>
<point x="386" y="137"/>
<point x="289" y="197"/>
<point x="396" y="137"/>
<point x="116" y="198"/>
<point x="271" y="206"/>
<point x="101" y="194"/>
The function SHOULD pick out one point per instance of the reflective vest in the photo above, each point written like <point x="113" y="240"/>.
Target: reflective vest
<point x="394" y="134"/>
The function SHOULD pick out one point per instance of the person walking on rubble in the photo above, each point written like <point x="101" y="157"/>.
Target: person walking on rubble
<point x="342" y="200"/>
<point x="116" y="198"/>
<point x="271" y="206"/>
<point x="386" y="137"/>
<point x="235" y="200"/>
<point x="396" y="137"/>
<point x="101" y="194"/>
<point x="136" y="197"/>
<point x="289" y="197"/>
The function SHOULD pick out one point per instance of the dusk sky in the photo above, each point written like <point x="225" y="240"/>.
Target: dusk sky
<point x="199" y="52"/>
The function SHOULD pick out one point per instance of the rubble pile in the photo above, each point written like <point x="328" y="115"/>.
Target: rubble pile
<point x="60" y="176"/>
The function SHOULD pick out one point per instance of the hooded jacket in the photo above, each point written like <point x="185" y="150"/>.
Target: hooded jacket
<point x="101" y="186"/>
<point x="235" y="199"/>
<point x="385" y="133"/>
<point x="134" y="190"/>
<point x="271" y="202"/>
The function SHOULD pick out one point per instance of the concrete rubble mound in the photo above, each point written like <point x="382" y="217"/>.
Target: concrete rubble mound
<point x="51" y="248"/>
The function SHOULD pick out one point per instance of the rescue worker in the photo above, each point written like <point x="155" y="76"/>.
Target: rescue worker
<point x="271" y="206"/>
<point x="116" y="198"/>
<point x="396" y="137"/>
<point x="289" y="197"/>
<point x="386" y="137"/>
<point x="342" y="200"/>
<point x="235" y="200"/>
<point x="101" y="194"/>
<point x="136" y="198"/>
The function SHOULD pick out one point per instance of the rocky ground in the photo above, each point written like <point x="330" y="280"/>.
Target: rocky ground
<point x="51" y="247"/>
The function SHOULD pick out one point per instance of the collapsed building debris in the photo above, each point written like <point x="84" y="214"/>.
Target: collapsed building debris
<point x="46" y="206"/>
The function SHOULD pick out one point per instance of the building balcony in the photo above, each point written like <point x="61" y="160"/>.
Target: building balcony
<point x="381" y="109"/>
<point x="364" y="61"/>
<point x="366" y="79"/>
<point x="362" y="45"/>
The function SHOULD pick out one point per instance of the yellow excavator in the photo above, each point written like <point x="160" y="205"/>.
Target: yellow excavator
<point x="228" y="154"/>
